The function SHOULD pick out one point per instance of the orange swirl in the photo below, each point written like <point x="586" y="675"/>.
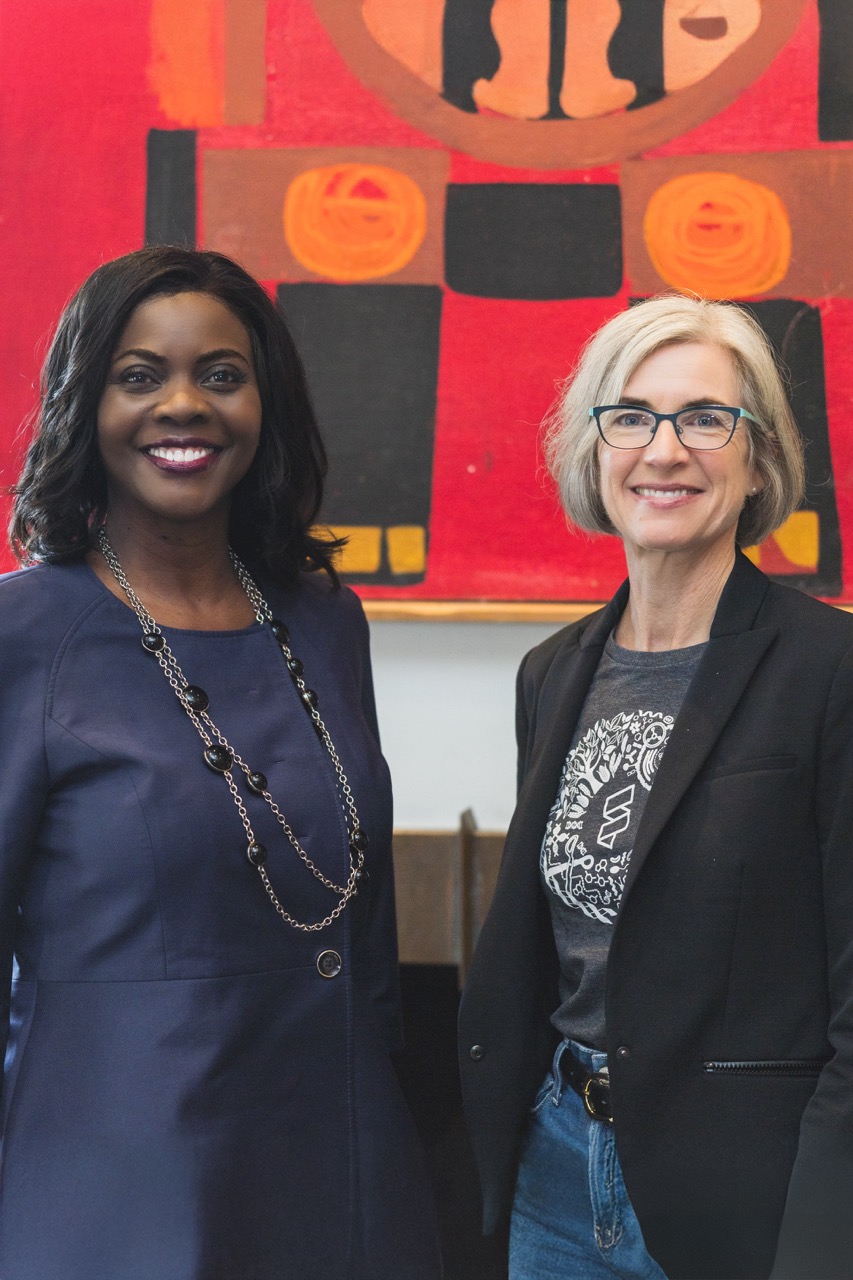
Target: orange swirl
<point x="354" y="221"/>
<point x="718" y="235"/>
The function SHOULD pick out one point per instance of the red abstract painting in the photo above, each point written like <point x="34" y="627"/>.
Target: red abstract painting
<point x="447" y="197"/>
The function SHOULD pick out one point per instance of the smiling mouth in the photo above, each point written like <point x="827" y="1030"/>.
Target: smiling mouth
<point x="192" y="453"/>
<point x="649" y="491"/>
<point x="195" y="455"/>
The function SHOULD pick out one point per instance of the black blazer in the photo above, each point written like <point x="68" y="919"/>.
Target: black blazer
<point x="729" y="998"/>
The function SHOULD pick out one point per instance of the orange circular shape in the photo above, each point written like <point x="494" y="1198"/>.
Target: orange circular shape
<point x="353" y="222"/>
<point x="718" y="235"/>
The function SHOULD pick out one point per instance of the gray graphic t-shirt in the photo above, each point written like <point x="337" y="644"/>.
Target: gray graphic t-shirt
<point x="618" y="743"/>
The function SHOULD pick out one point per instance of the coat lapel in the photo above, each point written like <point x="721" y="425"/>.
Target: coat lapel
<point x="559" y="704"/>
<point x="734" y="650"/>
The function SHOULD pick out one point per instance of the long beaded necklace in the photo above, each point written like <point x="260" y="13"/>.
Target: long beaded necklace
<point x="221" y="757"/>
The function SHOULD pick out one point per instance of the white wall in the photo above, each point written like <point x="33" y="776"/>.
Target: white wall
<point x="445" y="692"/>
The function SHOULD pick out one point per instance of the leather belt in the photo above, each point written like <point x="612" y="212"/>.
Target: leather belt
<point x="592" y="1086"/>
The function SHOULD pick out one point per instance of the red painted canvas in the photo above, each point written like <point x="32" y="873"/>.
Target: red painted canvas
<point x="448" y="197"/>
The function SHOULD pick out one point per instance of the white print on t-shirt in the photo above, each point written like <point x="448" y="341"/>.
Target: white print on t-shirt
<point x="617" y="816"/>
<point x="596" y="801"/>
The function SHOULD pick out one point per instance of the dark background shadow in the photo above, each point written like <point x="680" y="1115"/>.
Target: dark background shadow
<point x="430" y="1080"/>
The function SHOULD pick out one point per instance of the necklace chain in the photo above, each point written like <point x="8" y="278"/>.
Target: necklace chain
<point x="222" y="757"/>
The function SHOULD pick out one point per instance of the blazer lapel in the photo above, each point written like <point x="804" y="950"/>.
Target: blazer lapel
<point x="734" y="651"/>
<point x="559" y="704"/>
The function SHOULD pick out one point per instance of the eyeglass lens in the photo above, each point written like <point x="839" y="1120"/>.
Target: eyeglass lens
<point x="701" y="428"/>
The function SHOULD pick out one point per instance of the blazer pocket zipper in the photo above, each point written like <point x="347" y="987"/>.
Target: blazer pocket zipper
<point x="768" y="1067"/>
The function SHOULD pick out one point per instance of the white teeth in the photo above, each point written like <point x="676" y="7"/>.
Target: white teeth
<point x="646" y="492"/>
<point x="180" y="455"/>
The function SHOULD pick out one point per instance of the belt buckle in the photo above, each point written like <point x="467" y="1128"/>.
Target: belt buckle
<point x="596" y="1097"/>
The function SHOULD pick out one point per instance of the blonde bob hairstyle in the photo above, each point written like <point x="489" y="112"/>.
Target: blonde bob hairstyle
<point x="604" y="368"/>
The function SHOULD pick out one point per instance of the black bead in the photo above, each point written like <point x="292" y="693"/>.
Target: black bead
<point x="309" y="697"/>
<point x="219" y="759"/>
<point x="362" y="875"/>
<point x="280" y="631"/>
<point x="358" y="841"/>
<point x="195" y="698"/>
<point x="295" y="667"/>
<point x="257" y="782"/>
<point x="256" y="854"/>
<point x="152" y="642"/>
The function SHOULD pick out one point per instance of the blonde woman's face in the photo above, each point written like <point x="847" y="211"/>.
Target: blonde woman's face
<point x="665" y="498"/>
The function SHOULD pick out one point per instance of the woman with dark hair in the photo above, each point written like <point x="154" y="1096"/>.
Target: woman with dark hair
<point x="195" y="881"/>
<point x="657" y="1030"/>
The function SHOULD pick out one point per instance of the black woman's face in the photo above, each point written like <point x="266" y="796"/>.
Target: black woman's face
<point x="179" y="419"/>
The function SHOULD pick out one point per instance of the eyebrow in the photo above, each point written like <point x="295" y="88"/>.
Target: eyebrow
<point x="688" y="404"/>
<point x="221" y="353"/>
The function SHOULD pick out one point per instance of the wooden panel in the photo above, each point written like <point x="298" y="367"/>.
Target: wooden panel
<point x="475" y="611"/>
<point x="426" y="869"/>
<point x="444" y="885"/>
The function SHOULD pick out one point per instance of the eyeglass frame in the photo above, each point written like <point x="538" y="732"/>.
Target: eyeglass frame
<point x="671" y="417"/>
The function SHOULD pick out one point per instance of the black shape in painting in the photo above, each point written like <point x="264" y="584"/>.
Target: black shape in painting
<point x="371" y="355"/>
<point x="835" y="71"/>
<point x="533" y="241"/>
<point x="636" y="49"/>
<point x="170" y="193"/>
<point x="795" y="330"/>
<point x="470" y="51"/>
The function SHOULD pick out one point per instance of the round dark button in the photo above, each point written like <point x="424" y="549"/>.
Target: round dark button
<point x="328" y="964"/>
<point x="623" y="1053"/>
<point x="476" y="1052"/>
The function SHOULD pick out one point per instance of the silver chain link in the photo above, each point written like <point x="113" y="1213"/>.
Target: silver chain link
<point x="211" y="735"/>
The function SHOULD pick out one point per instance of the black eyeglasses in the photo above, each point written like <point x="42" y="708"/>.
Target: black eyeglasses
<point x="704" y="427"/>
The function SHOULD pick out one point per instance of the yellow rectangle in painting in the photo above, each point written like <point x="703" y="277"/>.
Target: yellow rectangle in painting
<point x="794" y="547"/>
<point x="740" y="226"/>
<point x="348" y="215"/>
<point x="406" y="545"/>
<point x="799" y="539"/>
<point x="363" y="550"/>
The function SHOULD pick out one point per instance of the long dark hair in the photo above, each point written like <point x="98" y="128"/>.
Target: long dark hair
<point x="61" y="496"/>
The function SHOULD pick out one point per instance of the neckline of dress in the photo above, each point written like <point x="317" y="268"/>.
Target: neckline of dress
<point x="253" y="628"/>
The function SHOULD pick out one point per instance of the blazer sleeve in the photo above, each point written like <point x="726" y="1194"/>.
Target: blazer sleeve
<point x="816" y="1235"/>
<point x="524" y="697"/>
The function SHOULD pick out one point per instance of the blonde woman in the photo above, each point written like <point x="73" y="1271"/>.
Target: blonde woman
<point x="657" y="1033"/>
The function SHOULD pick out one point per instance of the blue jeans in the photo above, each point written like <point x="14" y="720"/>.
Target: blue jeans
<point x="571" y="1216"/>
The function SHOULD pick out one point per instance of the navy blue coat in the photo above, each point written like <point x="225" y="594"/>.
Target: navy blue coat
<point x="729" y="1000"/>
<point x="186" y="1097"/>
